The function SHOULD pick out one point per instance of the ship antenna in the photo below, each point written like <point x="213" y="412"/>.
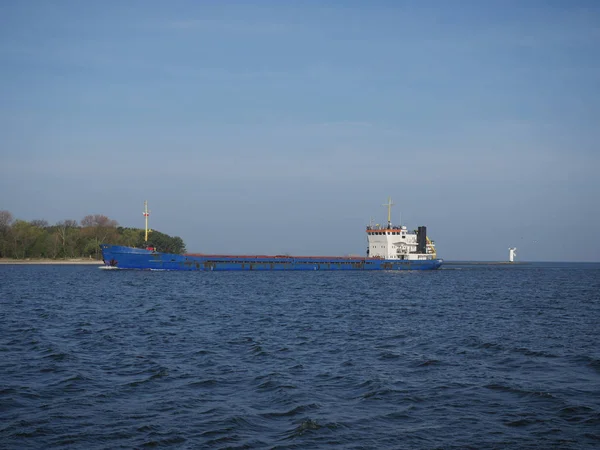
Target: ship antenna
<point x="146" y="215"/>
<point x="389" y="205"/>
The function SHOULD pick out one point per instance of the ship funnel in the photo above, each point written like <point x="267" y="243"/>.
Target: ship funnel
<point x="422" y="240"/>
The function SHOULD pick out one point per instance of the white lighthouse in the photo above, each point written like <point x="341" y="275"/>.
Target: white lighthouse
<point x="512" y="252"/>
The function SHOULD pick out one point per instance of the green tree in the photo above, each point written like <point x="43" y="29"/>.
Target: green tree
<point x="6" y="219"/>
<point x="24" y="235"/>
<point x="165" y="243"/>
<point x="131" y="237"/>
<point x="40" y="223"/>
<point x="52" y="243"/>
<point x="68" y="234"/>
<point x="178" y="245"/>
<point x="67" y="239"/>
<point x="98" y="229"/>
<point x="41" y="247"/>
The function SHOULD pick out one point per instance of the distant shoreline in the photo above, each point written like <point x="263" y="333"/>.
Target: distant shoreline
<point x="484" y="263"/>
<point x="6" y="261"/>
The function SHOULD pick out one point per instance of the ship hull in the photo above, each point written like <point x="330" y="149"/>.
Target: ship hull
<point x="121" y="257"/>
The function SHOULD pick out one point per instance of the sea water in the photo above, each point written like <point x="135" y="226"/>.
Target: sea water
<point x="471" y="356"/>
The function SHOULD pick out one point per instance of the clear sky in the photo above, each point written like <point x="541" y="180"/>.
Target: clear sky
<point x="282" y="127"/>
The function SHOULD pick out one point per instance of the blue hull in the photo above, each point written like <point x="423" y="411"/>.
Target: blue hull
<point x="134" y="258"/>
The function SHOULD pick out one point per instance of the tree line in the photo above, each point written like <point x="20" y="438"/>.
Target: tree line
<point x="21" y="239"/>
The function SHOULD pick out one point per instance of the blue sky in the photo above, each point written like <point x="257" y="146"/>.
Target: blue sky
<point x="282" y="127"/>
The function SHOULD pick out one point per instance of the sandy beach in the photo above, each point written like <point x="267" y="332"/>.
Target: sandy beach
<point x="51" y="261"/>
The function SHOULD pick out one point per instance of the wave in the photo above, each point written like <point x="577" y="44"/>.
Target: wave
<point x="518" y="391"/>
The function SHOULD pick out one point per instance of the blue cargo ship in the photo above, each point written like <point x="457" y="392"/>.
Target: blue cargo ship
<point x="389" y="248"/>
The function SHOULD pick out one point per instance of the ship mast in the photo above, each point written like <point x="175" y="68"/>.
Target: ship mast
<point x="146" y="215"/>
<point x="389" y="205"/>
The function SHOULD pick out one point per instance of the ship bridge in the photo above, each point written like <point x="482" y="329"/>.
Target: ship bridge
<point x="396" y="242"/>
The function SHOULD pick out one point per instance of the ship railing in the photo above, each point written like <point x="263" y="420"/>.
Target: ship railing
<point x="381" y="227"/>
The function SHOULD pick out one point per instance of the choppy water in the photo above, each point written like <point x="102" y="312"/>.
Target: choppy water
<point x="473" y="357"/>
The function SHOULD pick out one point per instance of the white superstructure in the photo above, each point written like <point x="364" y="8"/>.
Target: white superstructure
<point x="512" y="253"/>
<point x="396" y="242"/>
